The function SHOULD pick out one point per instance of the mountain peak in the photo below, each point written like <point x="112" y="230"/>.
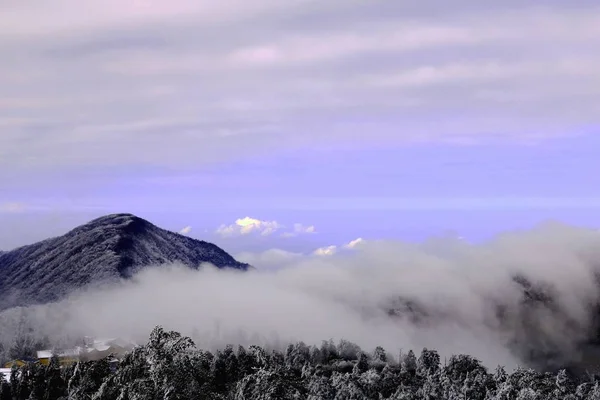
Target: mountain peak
<point x="127" y="223"/>
<point x="115" y="218"/>
<point x="108" y="248"/>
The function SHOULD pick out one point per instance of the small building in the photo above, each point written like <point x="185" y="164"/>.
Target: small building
<point x="44" y="356"/>
<point x="102" y="348"/>
<point x="92" y="350"/>
<point x="64" y="357"/>
<point x="20" y="363"/>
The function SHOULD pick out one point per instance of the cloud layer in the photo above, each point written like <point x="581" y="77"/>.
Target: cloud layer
<point x="104" y="84"/>
<point x="348" y="295"/>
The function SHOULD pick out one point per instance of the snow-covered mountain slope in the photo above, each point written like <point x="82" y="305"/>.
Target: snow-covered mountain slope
<point x="109" y="248"/>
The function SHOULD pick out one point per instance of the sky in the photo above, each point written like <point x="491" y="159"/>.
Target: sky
<point x="300" y="124"/>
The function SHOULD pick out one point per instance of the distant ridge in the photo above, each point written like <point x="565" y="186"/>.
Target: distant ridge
<point x="109" y="248"/>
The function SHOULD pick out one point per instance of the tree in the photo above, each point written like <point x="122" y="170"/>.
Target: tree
<point x="56" y="387"/>
<point x="297" y="355"/>
<point x="428" y="362"/>
<point x="347" y="387"/>
<point x="380" y="355"/>
<point x="319" y="388"/>
<point x="329" y="352"/>
<point x="390" y="381"/>
<point x="266" y="385"/>
<point x="527" y="394"/>
<point x="362" y="365"/>
<point x="170" y="364"/>
<point x="225" y="369"/>
<point x="169" y="367"/>
<point x="5" y="392"/>
<point x="23" y="347"/>
<point x="594" y="394"/>
<point x="458" y="367"/>
<point x="347" y="351"/>
<point x="408" y="363"/>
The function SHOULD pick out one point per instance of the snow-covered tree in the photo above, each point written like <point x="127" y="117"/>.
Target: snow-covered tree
<point x="428" y="362"/>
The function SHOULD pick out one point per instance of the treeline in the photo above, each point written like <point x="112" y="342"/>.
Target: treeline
<point x="169" y="367"/>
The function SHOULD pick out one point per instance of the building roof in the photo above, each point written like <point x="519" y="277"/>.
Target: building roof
<point x="64" y="353"/>
<point x="44" y="354"/>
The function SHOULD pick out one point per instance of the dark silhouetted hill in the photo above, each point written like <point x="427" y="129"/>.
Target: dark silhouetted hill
<point x="106" y="249"/>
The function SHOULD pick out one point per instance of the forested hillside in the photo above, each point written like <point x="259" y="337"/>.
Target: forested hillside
<point x="170" y="367"/>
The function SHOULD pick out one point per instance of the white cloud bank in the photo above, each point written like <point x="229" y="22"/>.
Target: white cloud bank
<point x="348" y="294"/>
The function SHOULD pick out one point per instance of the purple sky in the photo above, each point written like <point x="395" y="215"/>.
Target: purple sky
<point x="359" y="119"/>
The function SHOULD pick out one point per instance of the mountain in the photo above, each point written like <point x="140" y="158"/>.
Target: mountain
<point x="535" y="323"/>
<point x="109" y="248"/>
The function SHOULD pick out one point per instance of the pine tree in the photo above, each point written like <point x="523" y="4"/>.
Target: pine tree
<point x="297" y="355"/>
<point x="225" y="370"/>
<point x="594" y="394"/>
<point x="362" y="365"/>
<point x="267" y="385"/>
<point x="169" y="359"/>
<point x="56" y="387"/>
<point x="347" y="387"/>
<point x="319" y="388"/>
<point x="380" y="355"/>
<point x="428" y="362"/>
<point x="390" y="381"/>
<point x="408" y="363"/>
<point x="527" y="394"/>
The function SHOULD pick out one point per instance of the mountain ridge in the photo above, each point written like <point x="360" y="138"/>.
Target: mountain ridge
<point x="109" y="248"/>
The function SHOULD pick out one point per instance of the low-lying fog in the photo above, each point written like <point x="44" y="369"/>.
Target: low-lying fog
<point x="347" y="294"/>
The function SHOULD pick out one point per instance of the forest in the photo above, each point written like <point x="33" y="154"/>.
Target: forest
<point x="170" y="367"/>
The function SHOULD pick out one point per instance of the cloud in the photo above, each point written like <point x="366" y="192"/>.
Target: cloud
<point x="270" y="259"/>
<point x="459" y="287"/>
<point x="134" y="73"/>
<point x="299" y="229"/>
<point x="12" y="208"/>
<point x="247" y="225"/>
<point x="333" y="249"/>
<point x="326" y="251"/>
<point x="186" y="230"/>
<point x="354" y="243"/>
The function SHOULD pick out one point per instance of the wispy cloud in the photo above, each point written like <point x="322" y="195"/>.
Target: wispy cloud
<point x="354" y="243"/>
<point x="334" y="249"/>
<point x="186" y="230"/>
<point x="300" y="229"/>
<point x="326" y="251"/>
<point x="12" y="207"/>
